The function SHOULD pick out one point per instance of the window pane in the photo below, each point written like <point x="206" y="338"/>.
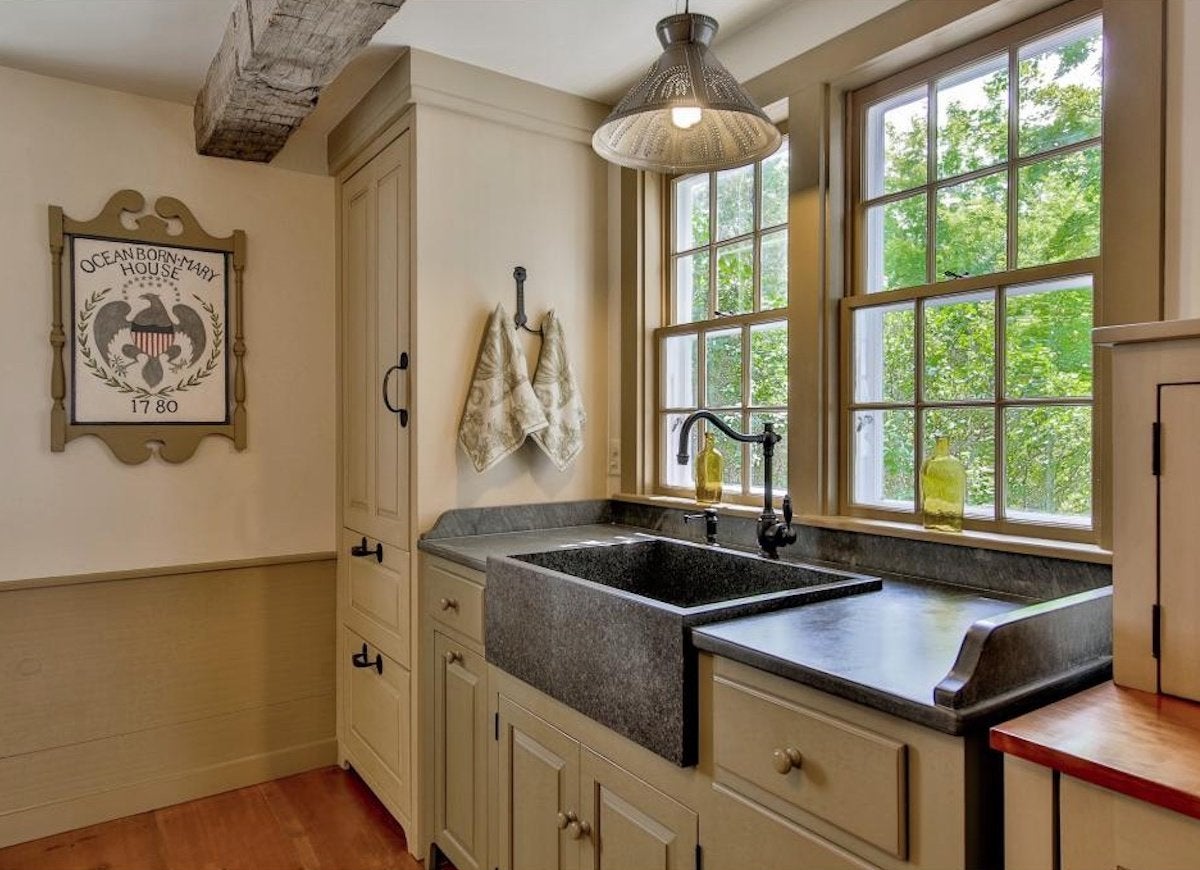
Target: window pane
<point x="691" y="212"/>
<point x="769" y="365"/>
<point x="972" y="434"/>
<point x="1048" y="339"/>
<point x="882" y="458"/>
<point x="896" y="244"/>
<point x="735" y="278"/>
<point x="1048" y="464"/>
<point x="735" y="202"/>
<point x="724" y="368"/>
<point x="679" y="371"/>
<point x="691" y="288"/>
<point x="731" y="451"/>
<point x="1058" y="209"/>
<point x="773" y="210"/>
<point x="972" y="118"/>
<point x="779" y="462"/>
<point x="884" y="353"/>
<point x="1060" y="88"/>
<point x="960" y="347"/>
<point x="972" y="221"/>
<point x="774" y="271"/>
<point x="674" y="474"/>
<point x="897" y="143"/>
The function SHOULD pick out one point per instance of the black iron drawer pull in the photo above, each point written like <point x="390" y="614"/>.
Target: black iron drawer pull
<point x="360" y="660"/>
<point x="362" y="550"/>
<point x="399" y="367"/>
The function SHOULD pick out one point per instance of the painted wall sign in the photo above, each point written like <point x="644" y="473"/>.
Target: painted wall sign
<point x="155" y="330"/>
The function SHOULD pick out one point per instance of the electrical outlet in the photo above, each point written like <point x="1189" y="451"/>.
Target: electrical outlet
<point x="614" y="456"/>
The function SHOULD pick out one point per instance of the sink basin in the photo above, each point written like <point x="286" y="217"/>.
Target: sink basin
<point x="607" y="629"/>
<point x="687" y="576"/>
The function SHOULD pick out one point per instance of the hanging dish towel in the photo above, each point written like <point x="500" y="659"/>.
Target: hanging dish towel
<point x="502" y="409"/>
<point x="554" y="384"/>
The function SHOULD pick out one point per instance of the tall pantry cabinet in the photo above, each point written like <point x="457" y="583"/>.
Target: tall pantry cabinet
<point x="376" y="689"/>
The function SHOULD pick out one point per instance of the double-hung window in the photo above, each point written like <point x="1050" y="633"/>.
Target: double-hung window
<point x="974" y="226"/>
<point x="725" y="343"/>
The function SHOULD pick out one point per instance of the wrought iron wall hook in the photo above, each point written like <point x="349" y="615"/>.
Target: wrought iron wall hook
<point x="520" y="319"/>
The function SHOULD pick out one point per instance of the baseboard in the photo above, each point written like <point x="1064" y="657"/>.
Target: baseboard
<point x="78" y="812"/>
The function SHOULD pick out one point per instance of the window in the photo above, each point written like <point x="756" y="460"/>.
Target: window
<point x="975" y="239"/>
<point x="725" y="346"/>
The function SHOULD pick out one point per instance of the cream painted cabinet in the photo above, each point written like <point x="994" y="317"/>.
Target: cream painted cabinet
<point x="376" y="416"/>
<point x="460" y="752"/>
<point x="563" y="806"/>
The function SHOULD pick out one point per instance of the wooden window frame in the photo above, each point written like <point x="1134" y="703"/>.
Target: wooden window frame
<point x="925" y="77"/>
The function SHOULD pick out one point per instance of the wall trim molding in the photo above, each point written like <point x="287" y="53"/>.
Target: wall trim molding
<point x="166" y="570"/>
<point x="44" y="820"/>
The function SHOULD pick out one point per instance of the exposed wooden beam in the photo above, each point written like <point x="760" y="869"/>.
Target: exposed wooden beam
<point x="274" y="60"/>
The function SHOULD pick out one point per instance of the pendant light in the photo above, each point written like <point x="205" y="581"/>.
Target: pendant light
<point x="687" y="114"/>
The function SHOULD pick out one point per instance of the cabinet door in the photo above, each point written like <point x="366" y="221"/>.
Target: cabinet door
<point x="1179" y="545"/>
<point x="460" y="736"/>
<point x="375" y="217"/>
<point x="376" y="701"/>
<point x="539" y="791"/>
<point x="628" y="825"/>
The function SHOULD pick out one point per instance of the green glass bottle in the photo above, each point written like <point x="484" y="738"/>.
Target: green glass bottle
<point x="710" y="472"/>
<point x="943" y="489"/>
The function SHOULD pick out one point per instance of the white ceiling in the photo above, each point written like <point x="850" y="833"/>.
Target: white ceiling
<point x="595" y="48"/>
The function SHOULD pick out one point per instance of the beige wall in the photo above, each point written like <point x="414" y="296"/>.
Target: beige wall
<point x="492" y="196"/>
<point x="83" y="511"/>
<point x="1182" y="285"/>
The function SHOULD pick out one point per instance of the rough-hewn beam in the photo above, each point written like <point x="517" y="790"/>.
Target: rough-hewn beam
<point x="274" y="60"/>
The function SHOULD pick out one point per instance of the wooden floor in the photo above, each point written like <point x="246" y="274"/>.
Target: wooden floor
<point x="321" y="820"/>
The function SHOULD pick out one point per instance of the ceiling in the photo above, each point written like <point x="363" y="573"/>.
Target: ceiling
<point x="594" y="48"/>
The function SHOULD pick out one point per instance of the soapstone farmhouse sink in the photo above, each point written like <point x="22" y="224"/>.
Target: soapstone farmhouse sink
<point x="607" y="629"/>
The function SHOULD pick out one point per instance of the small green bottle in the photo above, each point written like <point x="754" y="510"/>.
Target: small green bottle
<point x="710" y="472"/>
<point x="943" y="489"/>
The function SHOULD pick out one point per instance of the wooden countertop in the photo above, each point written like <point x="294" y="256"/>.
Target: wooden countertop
<point x="1140" y="744"/>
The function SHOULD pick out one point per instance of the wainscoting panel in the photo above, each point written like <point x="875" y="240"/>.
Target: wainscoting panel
<point x="124" y="695"/>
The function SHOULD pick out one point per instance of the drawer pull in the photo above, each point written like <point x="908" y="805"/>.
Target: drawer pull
<point x="360" y="660"/>
<point x="579" y="829"/>
<point x="567" y="818"/>
<point x="361" y="550"/>
<point x="449" y="604"/>
<point x="453" y="657"/>
<point x="787" y="760"/>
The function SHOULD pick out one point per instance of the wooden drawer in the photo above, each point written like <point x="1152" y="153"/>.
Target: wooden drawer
<point x="848" y="776"/>
<point x="376" y="707"/>
<point x="1101" y="828"/>
<point x="454" y="601"/>
<point x="378" y="595"/>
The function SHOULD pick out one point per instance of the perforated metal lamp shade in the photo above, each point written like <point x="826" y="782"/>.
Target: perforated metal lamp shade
<point x="731" y="130"/>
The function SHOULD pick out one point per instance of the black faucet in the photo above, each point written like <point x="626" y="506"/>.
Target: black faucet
<point x="772" y="534"/>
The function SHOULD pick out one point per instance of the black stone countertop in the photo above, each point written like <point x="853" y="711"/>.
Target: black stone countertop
<point x="896" y="650"/>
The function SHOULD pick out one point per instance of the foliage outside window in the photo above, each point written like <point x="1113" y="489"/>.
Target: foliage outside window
<point x="976" y="236"/>
<point x="725" y="347"/>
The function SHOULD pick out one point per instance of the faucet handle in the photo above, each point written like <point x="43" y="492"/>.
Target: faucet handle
<point x="787" y="509"/>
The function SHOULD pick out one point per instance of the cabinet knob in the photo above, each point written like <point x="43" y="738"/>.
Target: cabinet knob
<point x="579" y="829"/>
<point x="567" y="818"/>
<point x="787" y="760"/>
<point x="449" y="604"/>
<point x="453" y="657"/>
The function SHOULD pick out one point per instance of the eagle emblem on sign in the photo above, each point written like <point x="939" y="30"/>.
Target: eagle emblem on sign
<point x="151" y="338"/>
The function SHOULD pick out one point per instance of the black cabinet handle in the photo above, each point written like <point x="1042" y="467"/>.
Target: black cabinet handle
<point x="362" y="550"/>
<point x="399" y="367"/>
<point x="360" y="660"/>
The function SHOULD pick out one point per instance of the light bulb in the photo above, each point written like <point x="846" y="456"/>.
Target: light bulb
<point x="686" y="117"/>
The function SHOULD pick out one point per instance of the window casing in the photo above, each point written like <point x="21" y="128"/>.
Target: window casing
<point x="725" y="343"/>
<point x="974" y="240"/>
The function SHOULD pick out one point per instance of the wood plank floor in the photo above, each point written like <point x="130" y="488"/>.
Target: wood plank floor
<point x="325" y="819"/>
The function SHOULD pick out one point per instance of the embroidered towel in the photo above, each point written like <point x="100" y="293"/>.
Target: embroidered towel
<point x="554" y="384"/>
<point x="501" y="409"/>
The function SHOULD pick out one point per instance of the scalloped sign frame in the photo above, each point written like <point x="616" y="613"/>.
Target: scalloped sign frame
<point x="154" y="330"/>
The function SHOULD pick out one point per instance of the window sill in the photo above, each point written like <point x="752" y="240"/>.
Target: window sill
<point x="968" y="538"/>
